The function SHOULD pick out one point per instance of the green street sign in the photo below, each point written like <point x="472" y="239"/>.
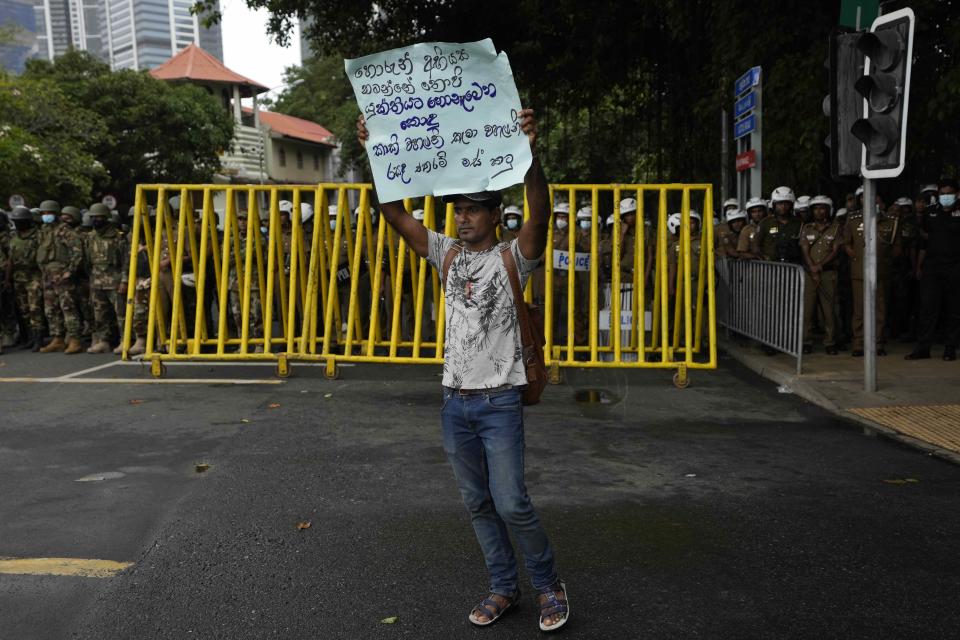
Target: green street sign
<point x="858" y="14"/>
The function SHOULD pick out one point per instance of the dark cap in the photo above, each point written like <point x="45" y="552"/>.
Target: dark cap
<point x="493" y="198"/>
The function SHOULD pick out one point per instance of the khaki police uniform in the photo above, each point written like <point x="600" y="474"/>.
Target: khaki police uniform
<point x="820" y="243"/>
<point x="853" y="240"/>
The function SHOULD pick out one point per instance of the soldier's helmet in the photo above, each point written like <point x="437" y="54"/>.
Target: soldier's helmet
<point x="99" y="210"/>
<point x="21" y="213"/>
<point x="73" y="212"/>
<point x="50" y="206"/>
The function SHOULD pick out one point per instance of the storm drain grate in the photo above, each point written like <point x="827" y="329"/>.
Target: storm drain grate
<point x="936" y="424"/>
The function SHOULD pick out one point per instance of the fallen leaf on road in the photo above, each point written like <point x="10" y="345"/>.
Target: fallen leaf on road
<point x="136" y="402"/>
<point x="328" y="395"/>
<point x="902" y="481"/>
<point x="303" y="525"/>
<point x="690" y="475"/>
<point x="202" y="467"/>
<point x="391" y="620"/>
<point x="244" y="420"/>
<point x="274" y="405"/>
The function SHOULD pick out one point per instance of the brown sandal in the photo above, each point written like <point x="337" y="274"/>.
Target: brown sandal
<point x="492" y="609"/>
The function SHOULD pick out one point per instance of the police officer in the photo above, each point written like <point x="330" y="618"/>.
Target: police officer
<point x="105" y="252"/>
<point x="512" y="222"/>
<point x="777" y="238"/>
<point x="802" y="209"/>
<point x="853" y="241"/>
<point x="756" y="212"/>
<point x="820" y="242"/>
<point x="727" y="234"/>
<point x="903" y="284"/>
<point x="938" y="268"/>
<point x="235" y="297"/>
<point x="60" y="256"/>
<point x="561" y="246"/>
<point x="26" y="275"/>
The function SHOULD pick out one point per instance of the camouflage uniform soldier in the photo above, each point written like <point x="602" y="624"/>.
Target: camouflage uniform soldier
<point x="83" y="278"/>
<point x="26" y="276"/>
<point x="820" y="242"/>
<point x="4" y="279"/>
<point x="236" y="293"/>
<point x="105" y="251"/>
<point x="60" y="256"/>
<point x="8" y="304"/>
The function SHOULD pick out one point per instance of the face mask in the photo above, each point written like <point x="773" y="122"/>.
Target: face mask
<point x="263" y="230"/>
<point x="947" y="200"/>
<point x="513" y="224"/>
<point x="584" y="224"/>
<point x="333" y="225"/>
<point x="48" y="218"/>
<point x="561" y="224"/>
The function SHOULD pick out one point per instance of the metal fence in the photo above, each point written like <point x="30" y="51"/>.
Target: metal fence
<point x="764" y="301"/>
<point x="231" y="279"/>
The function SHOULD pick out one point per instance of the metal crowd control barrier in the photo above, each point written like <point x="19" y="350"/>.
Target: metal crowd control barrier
<point x="764" y="301"/>
<point x="217" y="280"/>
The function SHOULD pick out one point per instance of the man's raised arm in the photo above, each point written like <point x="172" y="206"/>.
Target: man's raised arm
<point x="414" y="233"/>
<point x="533" y="235"/>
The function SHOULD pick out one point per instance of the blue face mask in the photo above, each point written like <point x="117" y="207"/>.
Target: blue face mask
<point x="263" y="230"/>
<point x="48" y="218"/>
<point x="585" y="224"/>
<point x="947" y="200"/>
<point x="513" y="224"/>
<point x="333" y="225"/>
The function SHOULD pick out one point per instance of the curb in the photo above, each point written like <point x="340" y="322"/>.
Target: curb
<point x="757" y="363"/>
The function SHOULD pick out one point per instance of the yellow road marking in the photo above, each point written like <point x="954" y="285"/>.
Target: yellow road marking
<point x="62" y="567"/>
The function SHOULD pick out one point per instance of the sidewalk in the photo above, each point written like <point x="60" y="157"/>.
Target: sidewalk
<point x="916" y="401"/>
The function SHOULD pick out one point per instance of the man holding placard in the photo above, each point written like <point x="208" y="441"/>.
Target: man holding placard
<point x="464" y="98"/>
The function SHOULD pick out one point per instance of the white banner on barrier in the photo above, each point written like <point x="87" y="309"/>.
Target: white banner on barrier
<point x="443" y="118"/>
<point x="626" y="320"/>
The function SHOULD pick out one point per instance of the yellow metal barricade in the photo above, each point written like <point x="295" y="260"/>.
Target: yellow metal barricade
<point x="227" y="275"/>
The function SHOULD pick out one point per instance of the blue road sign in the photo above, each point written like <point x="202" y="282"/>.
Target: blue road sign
<point x="744" y="127"/>
<point x="747" y="81"/>
<point x="745" y="104"/>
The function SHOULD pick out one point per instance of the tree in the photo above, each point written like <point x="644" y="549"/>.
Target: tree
<point x="156" y="131"/>
<point x="633" y="91"/>
<point x="46" y="142"/>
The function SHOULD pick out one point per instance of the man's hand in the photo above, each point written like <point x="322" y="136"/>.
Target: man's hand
<point x="528" y="123"/>
<point x="362" y="133"/>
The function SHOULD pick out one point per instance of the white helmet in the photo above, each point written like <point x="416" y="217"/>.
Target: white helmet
<point x="756" y="202"/>
<point x="418" y="214"/>
<point x="332" y="210"/>
<point x="285" y="206"/>
<point x="561" y="207"/>
<point x="358" y="210"/>
<point x="930" y="188"/>
<point x="696" y="215"/>
<point x="842" y="212"/>
<point x="306" y="211"/>
<point x="628" y="205"/>
<point x="824" y="200"/>
<point x="585" y="213"/>
<point x="673" y="223"/>
<point x="803" y="202"/>
<point x="782" y="194"/>
<point x="610" y="220"/>
<point x="730" y="202"/>
<point x="512" y="210"/>
<point x="736" y="214"/>
<point x="903" y="202"/>
<point x="859" y="191"/>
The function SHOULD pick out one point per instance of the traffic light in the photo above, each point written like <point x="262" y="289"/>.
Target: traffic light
<point x="844" y="105"/>
<point x="886" y="92"/>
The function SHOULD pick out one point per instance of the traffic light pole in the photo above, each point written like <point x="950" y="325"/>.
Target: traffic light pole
<point x="869" y="286"/>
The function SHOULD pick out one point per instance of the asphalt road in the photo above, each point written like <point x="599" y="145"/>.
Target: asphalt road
<point x="726" y="510"/>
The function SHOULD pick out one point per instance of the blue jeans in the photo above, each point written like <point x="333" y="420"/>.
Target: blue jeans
<point x="483" y="440"/>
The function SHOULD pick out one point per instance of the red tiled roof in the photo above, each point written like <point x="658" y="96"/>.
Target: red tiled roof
<point x="298" y="128"/>
<point x="193" y="63"/>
